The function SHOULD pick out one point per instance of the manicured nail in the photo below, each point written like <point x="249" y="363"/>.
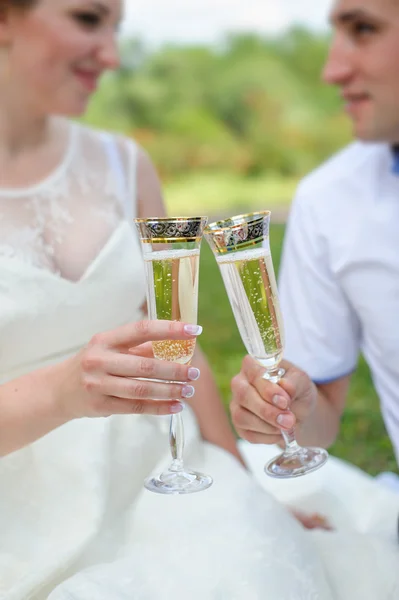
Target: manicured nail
<point x="176" y="408"/>
<point x="286" y="421"/>
<point x="187" y="391"/>
<point x="280" y="402"/>
<point x="193" y="329"/>
<point x="194" y="373"/>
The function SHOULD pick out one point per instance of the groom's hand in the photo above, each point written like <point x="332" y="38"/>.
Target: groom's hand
<point x="261" y="409"/>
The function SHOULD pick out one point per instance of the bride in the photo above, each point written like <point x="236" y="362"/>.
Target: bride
<point x="75" y="520"/>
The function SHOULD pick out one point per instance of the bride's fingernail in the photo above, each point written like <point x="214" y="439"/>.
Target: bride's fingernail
<point x="187" y="391"/>
<point x="193" y="329"/>
<point x="280" y="402"/>
<point x="176" y="408"/>
<point x="286" y="421"/>
<point x="194" y="373"/>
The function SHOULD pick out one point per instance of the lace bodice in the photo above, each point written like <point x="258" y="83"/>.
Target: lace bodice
<point x="62" y="223"/>
<point x="67" y="244"/>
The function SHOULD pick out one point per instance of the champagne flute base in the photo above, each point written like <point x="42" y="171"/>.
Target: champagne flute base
<point x="180" y="482"/>
<point x="296" y="464"/>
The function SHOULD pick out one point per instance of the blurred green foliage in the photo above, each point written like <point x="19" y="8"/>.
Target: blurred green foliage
<point x="251" y="105"/>
<point x="223" y="193"/>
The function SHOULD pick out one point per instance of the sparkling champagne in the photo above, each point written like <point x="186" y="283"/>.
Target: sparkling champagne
<point x="173" y="295"/>
<point x="251" y="287"/>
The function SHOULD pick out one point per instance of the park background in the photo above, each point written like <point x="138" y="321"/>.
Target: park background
<point x="227" y="98"/>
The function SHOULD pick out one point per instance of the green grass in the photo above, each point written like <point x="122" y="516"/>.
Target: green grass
<point x="226" y="193"/>
<point x="362" y="440"/>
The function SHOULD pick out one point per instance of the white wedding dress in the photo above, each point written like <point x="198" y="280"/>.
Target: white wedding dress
<point x="75" y="520"/>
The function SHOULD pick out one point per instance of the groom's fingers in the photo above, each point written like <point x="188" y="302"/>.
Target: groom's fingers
<point x="247" y="399"/>
<point x="247" y="421"/>
<point x="254" y="430"/>
<point x="254" y="374"/>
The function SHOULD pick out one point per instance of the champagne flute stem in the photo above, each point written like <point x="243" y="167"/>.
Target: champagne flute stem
<point x="291" y="444"/>
<point x="176" y="442"/>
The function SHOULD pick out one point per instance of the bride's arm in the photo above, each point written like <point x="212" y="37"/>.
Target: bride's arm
<point x="207" y="405"/>
<point x="115" y="374"/>
<point x="29" y="409"/>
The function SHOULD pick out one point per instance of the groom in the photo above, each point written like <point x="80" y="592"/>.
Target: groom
<point x="339" y="279"/>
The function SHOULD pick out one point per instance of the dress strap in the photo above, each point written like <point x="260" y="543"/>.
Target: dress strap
<point x="126" y="191"/>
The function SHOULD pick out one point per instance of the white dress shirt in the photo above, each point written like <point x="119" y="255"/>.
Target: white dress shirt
<point x="339" y="277"/>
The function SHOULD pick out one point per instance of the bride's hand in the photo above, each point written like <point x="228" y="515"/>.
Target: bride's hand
<point x="115" y="373"/>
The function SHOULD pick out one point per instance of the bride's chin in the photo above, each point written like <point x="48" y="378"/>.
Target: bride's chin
<point x="75" y="108"/>
<point x="70" y="113"/>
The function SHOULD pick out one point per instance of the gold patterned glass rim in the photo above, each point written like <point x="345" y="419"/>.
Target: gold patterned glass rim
<point x="239" y="232"/>
<point x="168" y="230"/>
<point x="241" y="219"/>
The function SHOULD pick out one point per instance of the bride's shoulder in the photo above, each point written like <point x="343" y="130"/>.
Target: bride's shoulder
<point x="136" y="162"/>
<point x="131" y="154"/>
<point x="98" y="139"/>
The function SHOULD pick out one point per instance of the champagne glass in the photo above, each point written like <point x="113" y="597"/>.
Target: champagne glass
<point x="242" y="250"/>
<point x="171" y="251"/>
